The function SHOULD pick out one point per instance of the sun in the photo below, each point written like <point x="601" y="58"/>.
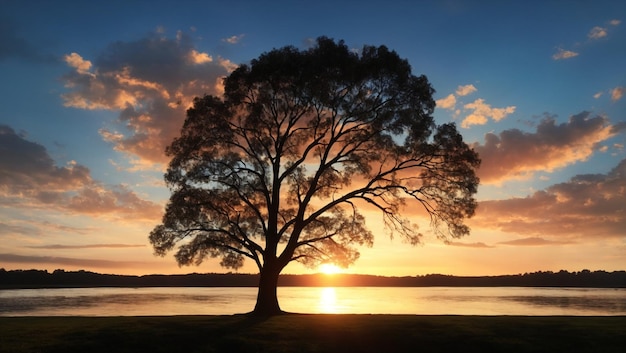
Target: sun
<point x="329" y="269"/>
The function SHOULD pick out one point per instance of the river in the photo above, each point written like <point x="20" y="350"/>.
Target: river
<point x="331" y="300"/>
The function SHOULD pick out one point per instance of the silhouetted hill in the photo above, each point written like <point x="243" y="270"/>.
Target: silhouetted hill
<point x="61" y="278"/>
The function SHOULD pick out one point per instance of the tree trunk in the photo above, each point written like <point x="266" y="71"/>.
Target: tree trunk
<point x="267" y="299"/>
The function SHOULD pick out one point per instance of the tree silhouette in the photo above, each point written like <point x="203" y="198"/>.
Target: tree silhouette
<point x="281" y="167"/>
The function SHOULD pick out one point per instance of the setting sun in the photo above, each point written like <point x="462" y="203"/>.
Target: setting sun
<point x="329" y="269"/>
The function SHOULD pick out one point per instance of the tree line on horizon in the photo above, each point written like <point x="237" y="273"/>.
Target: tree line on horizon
<point x="64" y="279"/>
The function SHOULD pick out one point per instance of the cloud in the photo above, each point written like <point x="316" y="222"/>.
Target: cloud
<point x="597" y="33"/>
<point x="465" y="90"/>
<point x="66" y="261"/>
<point x="150" y="82"/>
<point x="534" y="241"/>
<point x="479" y="111"/>
<point x="588" y="206"/>
<point x="598" y="95"/>
<point x="562" y="54"/>
<point x="447" y="103"/>
<point x="479" y="245"/>
<point x="233" y="39"/>
<point x="88" y="246"/>
<point x="617" y="93"/>
<point x="199" y="58"/>
<point x="34" y="228"/>
<point x="482" y="112"/>
<point x="76" y="61"/>
<point x="30" y="178"/>
<point x="6" y="228"/>
<point x="25" y="165"/>
<point x="514" y="154"/>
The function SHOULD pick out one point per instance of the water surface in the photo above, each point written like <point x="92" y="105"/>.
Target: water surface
<point x="332" y="300"/>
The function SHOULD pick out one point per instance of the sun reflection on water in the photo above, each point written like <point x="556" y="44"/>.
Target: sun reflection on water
<point x="328" y="301"/>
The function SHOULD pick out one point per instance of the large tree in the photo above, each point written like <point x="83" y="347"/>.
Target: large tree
<point x="282" y="166"/>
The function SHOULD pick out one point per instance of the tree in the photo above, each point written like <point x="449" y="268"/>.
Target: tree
<point x="282" y="166"/>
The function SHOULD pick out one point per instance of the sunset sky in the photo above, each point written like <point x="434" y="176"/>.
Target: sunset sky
<point x="93" y="91"/>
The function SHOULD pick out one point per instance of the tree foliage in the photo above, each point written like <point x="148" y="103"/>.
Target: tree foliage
<point x="282" y="166"/>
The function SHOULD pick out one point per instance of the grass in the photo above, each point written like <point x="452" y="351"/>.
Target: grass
<point x="313" y="333"/>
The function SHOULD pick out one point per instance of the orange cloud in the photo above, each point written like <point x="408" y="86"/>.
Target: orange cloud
<point x="514" y="154"/>
<point x="76" y="61"/>
<point x="465" y="90"/>
<point x="479" y="111"/>
<point x="151" y="82"/>
<point x="447" y="103"/>
<point x="534" y="241"/>
<point x="479" y="245"/>
<point x="199" y="58"/>
<point x="587" y="206"/>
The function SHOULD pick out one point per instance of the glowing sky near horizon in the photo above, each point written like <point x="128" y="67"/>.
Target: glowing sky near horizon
<point x="92" y="92"/>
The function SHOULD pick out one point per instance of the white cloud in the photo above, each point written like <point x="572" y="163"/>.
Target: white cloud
<point x="615" y="22"/>
<point x="233" y="39"/>
<point x="597" y="33"/>
<point x="562" y="54"/>
<point x="598" y="95"/>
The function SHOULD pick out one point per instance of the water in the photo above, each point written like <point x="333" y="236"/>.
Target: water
<point x="332" y="300"/>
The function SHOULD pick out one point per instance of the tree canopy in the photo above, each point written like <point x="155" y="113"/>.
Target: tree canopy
<point x="282" y="166"/>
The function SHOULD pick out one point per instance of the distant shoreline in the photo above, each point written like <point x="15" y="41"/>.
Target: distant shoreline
<point x="25" y="279"/>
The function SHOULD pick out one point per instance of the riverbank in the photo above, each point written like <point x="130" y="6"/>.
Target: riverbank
<point x="313" y="333"/>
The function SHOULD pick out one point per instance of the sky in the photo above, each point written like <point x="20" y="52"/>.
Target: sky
<point x="93" y="92"/>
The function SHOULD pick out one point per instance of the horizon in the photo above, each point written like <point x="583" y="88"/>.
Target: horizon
<point x="583" y="271"/>
<point x="94" y="93"/>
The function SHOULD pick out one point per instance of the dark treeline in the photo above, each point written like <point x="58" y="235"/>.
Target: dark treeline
<point x="61" y="278"/>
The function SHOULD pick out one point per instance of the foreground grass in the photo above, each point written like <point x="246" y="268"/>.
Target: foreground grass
<point x="313" y="333"/>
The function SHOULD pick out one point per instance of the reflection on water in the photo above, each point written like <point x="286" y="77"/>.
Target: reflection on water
<point x="328" y="301"/>
<point x="126" y="301"/>
<point x="354" y="300"/>
<point x="454" y="300"/>
<point x="590" y="303"/>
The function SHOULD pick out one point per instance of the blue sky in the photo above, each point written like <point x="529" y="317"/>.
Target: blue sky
<point x="92" y="93"/>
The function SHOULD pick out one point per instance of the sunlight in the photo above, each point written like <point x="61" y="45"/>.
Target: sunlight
<point x="329" y="269"/>
<point x="328" y="301"/>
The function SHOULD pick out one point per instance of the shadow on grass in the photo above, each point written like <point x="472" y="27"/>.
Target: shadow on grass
<point x="313" y="333"/>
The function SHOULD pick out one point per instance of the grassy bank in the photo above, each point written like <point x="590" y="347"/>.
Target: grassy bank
<point x="313" y="333"/>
